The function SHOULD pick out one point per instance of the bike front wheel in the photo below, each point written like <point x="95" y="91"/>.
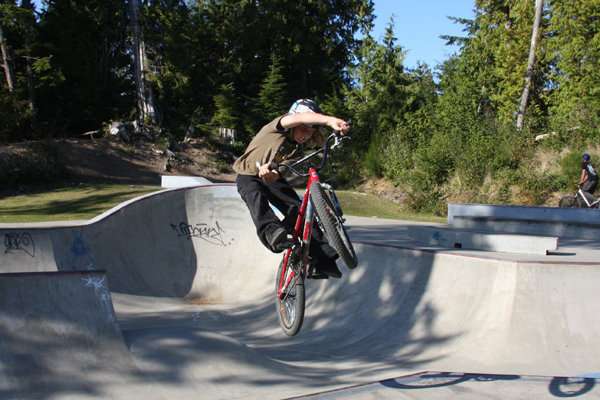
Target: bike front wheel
<point x="290" y="306"/>
<point x="332" y="225"/>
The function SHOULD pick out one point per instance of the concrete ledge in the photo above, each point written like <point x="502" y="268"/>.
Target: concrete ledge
<point x="172" y="181"/>
<point x="548" y="221"/>
<point x="468" y="240"/>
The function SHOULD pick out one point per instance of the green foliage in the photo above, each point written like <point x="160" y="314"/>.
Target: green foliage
<point x="575" y="50"/>
<point x="272" y="96"/>
<point x="87" y="43"/>
<point x="225" y="108"/>
<point x="14" y="116"/>
<point x="40" y="164"/>
<point x="228" y="63"/>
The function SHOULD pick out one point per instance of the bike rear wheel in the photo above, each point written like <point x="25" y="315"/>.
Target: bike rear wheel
<point x="290" y="308"/>
<point x="332" y="225"/>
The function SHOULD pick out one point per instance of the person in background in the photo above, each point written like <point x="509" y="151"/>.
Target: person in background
<point x="589" y="178"/>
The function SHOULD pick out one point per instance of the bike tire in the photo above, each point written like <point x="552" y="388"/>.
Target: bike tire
<point x="332" y="225"/>
<point x="568" y="201"/>
<point x="290" y="310"/>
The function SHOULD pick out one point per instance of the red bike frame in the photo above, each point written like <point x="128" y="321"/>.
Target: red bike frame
<point x="305" y="214"/>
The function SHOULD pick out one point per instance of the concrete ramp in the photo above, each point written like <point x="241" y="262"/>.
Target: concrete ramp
<point x="60" y="339"/>
<point x="193" y="291"/>
<point x="177" y="243"/>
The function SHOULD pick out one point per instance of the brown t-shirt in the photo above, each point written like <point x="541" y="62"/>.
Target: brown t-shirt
<point x="272" y="143"/>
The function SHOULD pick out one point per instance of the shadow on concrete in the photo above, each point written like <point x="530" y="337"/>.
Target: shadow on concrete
<point x="361" y="327"/>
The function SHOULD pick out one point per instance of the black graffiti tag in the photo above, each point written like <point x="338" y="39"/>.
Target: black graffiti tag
<point x="211" y="234"/>
<point x="14" y="242"/>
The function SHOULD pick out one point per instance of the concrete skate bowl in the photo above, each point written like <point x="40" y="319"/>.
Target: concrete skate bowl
<point x="193" y="291"/>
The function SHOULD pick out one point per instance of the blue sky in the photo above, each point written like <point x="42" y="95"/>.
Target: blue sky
<point x="418" y="25"/>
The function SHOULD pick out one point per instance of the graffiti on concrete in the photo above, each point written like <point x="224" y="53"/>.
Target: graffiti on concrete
<point x="81" y="256"/>
<point x="213" y="234"/>
<point x="19" y="242"/>
<point x="101" y="290"/>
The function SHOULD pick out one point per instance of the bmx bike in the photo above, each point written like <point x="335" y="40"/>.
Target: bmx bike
<point x="319" y="204"/>
<point x="580" y="199"/>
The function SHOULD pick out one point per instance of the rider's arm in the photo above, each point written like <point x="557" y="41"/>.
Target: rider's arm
<point x="310" y="118"/>
<point x="266" y="173"/>
<point x="583" y="178"/>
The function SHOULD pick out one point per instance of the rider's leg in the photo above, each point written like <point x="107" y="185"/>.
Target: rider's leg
<point x="285" y="198"/>
<point x="593" y="185"/>
<point x="587" y="189"/>
<point x="256" y="195"/>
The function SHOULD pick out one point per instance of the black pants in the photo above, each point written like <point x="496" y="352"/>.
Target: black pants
<point x="257" y="195"/>
<point x="589" y="186"/>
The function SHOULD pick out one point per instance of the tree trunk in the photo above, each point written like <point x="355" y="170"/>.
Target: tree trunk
<point x="6" y="62"/>
<point x="145" y="103"/>
<point x="539" y="5"/>
<point x="27" y="5"/>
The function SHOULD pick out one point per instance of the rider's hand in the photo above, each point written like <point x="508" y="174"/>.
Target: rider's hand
<point x="338" y="125"/>
<point x="266" y="174"/>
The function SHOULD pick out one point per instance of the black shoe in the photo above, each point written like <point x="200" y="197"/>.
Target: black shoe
<point x="318" y="275"/>
<point x="328" y="267"/>
<point x="278" y="239"/>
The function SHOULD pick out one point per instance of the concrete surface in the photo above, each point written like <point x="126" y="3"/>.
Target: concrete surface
<point x="60" y="339"/>
<point x="448" y="385"/>
<point x="193" y="292"/>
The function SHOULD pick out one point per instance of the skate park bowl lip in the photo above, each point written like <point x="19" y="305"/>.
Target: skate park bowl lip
<point x="401" y="310"/>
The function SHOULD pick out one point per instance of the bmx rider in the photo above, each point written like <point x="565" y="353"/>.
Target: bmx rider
<point x="283" y="140"/>
<point x="589" y="177"/>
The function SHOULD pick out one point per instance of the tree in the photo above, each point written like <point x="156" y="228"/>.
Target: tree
<point x="539" y="5"/>
<point x="226" y="115"/>
<point x="574" y="82"/>
<point x="87" y="42"/>
<point x="272" y="96"/>
<point x="144" y="97"/>
<point x="8" y="76"/>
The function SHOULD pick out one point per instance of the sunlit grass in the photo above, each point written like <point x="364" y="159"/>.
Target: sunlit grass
<point x="85" y="201"/>
<point x="79" y="202"/>
<point x="368" y="205"/>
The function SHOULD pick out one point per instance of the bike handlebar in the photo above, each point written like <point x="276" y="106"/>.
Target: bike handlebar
<point x="337" y="138"/>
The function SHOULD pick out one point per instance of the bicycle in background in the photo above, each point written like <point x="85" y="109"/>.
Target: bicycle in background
<point x="580" y="199"/>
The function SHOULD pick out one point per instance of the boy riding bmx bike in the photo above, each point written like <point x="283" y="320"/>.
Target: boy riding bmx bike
<point x="280" y="141"/>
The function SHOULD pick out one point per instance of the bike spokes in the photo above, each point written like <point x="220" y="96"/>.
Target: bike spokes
<point x="290" y="297"/>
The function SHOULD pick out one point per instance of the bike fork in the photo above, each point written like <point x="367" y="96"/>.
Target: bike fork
<point x="304" y="255"/>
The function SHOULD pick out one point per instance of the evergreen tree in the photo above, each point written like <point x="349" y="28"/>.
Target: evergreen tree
<point x="87" y="43"/>
<point x="17" y="33"/>
<point x="575" y="80"/>
<point x="272" y="96"/>
<point x="226" y="115"/>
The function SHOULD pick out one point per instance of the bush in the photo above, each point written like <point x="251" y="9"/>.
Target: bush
<point x="39" y="163"/>
<point x="15" y="117"/>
